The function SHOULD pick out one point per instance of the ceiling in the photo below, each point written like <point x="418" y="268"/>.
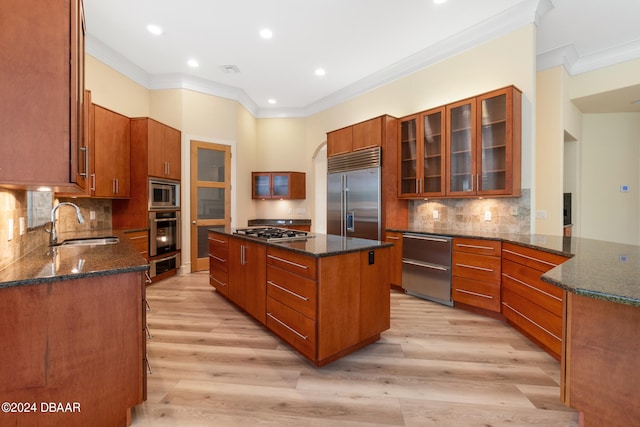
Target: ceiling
<point x="361" y="44"/>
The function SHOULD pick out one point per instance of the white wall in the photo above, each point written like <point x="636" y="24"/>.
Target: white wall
<point x="610" y="157"/>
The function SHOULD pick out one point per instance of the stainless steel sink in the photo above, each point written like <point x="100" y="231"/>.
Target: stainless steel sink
<point x="89" y="241"/>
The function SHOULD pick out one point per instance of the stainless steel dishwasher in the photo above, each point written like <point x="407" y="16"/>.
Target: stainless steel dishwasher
<point x="426" y="267"/>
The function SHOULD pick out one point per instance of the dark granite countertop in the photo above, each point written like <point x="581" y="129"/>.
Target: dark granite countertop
<point x="49" y="264"/>
<point x="318" y="245"/>
<point x="596" y="268"/>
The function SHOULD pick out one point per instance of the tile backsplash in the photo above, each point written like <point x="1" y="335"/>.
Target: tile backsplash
<point x="507" y="215"/>
<point x="14" y="205"/>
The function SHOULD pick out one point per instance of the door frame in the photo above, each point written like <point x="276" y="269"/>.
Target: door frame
<point x="192" y="223"/>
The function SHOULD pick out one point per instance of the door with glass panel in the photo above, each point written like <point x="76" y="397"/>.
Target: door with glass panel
<point x="210" y="197"/>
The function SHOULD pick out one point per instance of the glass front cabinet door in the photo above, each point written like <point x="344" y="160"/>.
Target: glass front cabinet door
<point x="422" y="160"/>
<point x="461" y="143"/>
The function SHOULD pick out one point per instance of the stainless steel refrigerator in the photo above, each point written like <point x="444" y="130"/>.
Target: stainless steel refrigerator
<point x="354" y="194"/>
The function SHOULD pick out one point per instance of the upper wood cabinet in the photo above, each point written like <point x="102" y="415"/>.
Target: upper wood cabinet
<point x="111" y="141"/>
<point x="164" y="150"/>
<point x="422" y="154"/>
<point x="42" y="87"/>
<point x="469" y="148"/>
<point x="484" y="145"/>
<point x="367" y="134"/>
<point x="278" y="185"/>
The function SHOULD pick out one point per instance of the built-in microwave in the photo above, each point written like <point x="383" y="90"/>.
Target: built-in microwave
<point x="164" y="194"/>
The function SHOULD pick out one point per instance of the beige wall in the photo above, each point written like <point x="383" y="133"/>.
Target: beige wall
<point x="609" y="157"/>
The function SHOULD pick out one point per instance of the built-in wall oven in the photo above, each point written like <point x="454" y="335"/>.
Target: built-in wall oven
<point x="164" y="238"/>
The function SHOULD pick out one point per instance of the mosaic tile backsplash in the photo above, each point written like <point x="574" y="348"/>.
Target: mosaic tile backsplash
<point x="14" y="205"/>
<point x="507" y="215"/>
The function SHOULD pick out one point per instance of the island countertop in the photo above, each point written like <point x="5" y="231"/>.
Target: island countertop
<point x="49" y="264"/>
<point x="317" y="245"/>
<point x="596" y="268"/>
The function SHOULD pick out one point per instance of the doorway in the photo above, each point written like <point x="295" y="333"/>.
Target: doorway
<point x="210" y="196"/>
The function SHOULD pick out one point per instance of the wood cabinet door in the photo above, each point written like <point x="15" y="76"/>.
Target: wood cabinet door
<point x="111" y="141"/>
<point x="172" y="153"/>
<point x="409" y="155"/>
<point x="340" y="141"/>
<point x="367" y="134"/>
<point x="156" y="142"/>
<point x="432" y="148"/>
<point x="498" y="142"/>
<point x="248" y="277"/>
<point x="395" y="257"/>
<point x="461" y="148"/>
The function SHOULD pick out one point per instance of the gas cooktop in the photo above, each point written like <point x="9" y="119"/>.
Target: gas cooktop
<point x="273" y="234"/>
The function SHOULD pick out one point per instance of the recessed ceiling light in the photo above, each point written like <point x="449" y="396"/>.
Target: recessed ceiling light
<point x="439" y="1"/>
<point x="272" y="101"/>
<point x="192" y="63"/>
<point x="266" y="33"/>
<point x="320" y="72"/>
<point x="154" y="29"/>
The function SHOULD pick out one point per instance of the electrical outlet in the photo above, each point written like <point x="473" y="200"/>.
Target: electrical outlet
<point x="436" y="214"/>
<point x="487" y="215"/>
<point x="22" y="226"/>
<point x="92" y="214"/>
<point x="10" y="229"/>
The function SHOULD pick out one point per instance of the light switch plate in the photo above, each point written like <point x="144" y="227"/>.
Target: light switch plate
<point x="487" y="215"/>
<point x="10" y="229"/>
<point x="22" y="226"/>
<point x="436" y="214"/>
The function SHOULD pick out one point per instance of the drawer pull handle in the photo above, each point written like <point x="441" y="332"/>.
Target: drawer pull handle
<point x="137" y="237"/>
<point x="304" y="337"/>
<point x="464" y="245"/>
<point x="424" y="264"/>
<point x="531" y="287"/>
<point x="217" y="240"/>
<point x="393" y="238"/>
<point x="217" y="281"/>
<point x="217" y="258"/>
<point x="531" y="321"/>
<point x="473" y="267"/>
<point x="287" y="290"/>
<point x="295" y="264"/>
<point x="430" y="239"/>
<point x="530" y="257"/>
<point x="463" y="291"/>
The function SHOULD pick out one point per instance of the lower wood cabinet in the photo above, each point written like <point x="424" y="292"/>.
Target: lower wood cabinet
<point x="140" y="239"/>
<point x="532" y="306"/>
<point x="324" y="307"/>
<point x="78" y="340"/>
<point x="395" y="254"/>
<point x="476" y="273"/>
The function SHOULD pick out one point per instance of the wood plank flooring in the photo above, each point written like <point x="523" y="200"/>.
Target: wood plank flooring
<point x="436" y="366"/>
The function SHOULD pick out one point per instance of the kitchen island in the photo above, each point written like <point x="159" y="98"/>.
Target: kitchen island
<point x="600" y="316"/>
<point x="72" y="351"/>
<point x="326" y="296"/>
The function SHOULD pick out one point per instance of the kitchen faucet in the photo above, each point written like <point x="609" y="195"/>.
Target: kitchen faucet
<point x="54" y="234"/>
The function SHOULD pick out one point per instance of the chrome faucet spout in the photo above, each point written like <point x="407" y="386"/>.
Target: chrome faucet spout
<point x="54" y="234"/>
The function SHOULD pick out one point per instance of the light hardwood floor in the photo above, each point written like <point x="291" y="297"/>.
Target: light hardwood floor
<point x="436" y="366"/>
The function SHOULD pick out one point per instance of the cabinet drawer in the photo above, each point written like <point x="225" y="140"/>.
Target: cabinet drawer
<point x="293" y="327"/>
<point x="218" y="278"/>
<point x="216" y="239"/>
<point x="477" y="246"/>
<point x="541" y="324"/>
<point x="540" y="260"/>
<point x="526" y="282"/>
<point x="475" y="293"/>
<point x="293" y="262"/>
<point x="297" y="292"/>
<point x="219" y="258"/>
<point x="478" y="267"/>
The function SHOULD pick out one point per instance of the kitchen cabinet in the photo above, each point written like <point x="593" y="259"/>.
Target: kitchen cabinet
<point x="163" y="151"/>
<point x="78" y="340"/>
<point x="483" y="139"/>
<point x="532" y="306"/>
<point x="476" y="273"/>
<point x="140" y="240"/>
<point x="111" y="142"/>
<point x="134" y="212"/>
<point x="42" y="87"/>
<point x="278" y="185"/>
<point x="422" y="154"/>
<point x="247" y="276"/>
<point x="219" y="263"/>
<point x="395" y="256"/>
<point x="363" y="135"/>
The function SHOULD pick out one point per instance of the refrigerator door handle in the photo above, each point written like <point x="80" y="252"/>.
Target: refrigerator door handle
<point x="351" y="221"/>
